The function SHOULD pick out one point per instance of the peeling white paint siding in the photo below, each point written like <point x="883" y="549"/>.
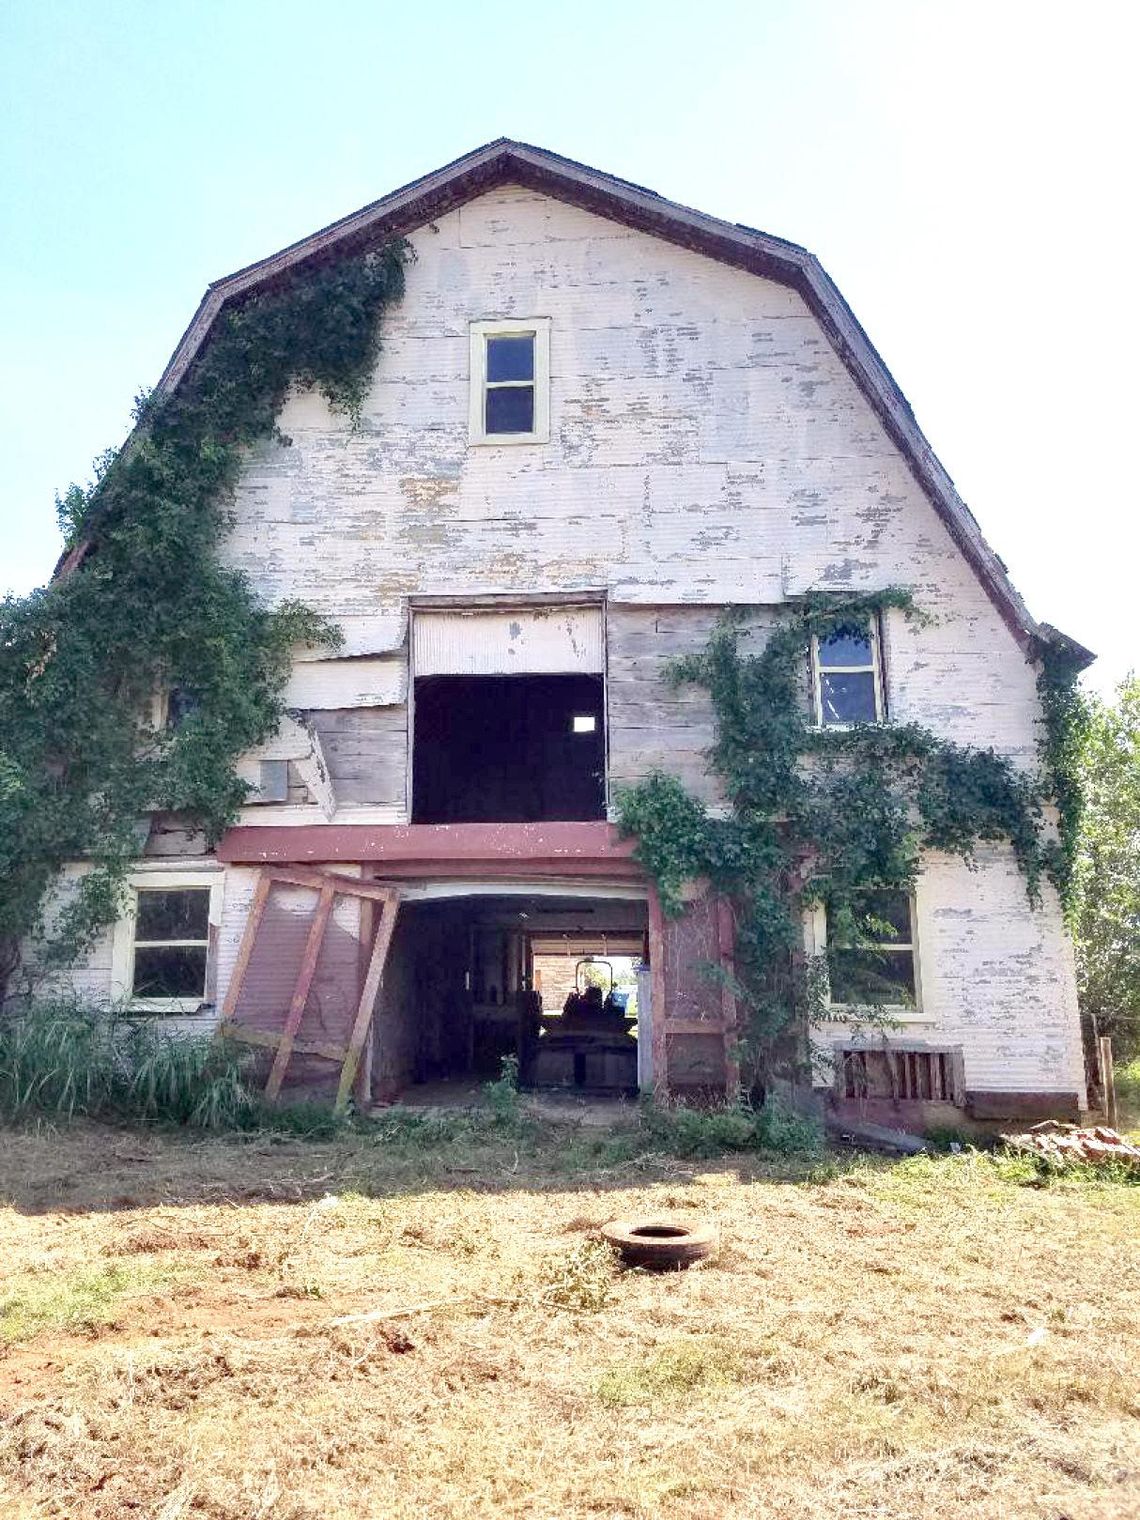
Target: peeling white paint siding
<point x="707" y="446"/>
<point x="996" y="977"/>
<point x="558" y="640"/>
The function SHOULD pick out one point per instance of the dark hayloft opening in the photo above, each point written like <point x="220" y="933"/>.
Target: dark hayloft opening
<point x="508" y="749"/>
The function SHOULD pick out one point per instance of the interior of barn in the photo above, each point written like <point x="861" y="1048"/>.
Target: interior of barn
<point x="555" y="979"/>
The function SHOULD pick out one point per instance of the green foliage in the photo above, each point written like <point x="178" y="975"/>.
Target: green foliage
<point x="148" y="607"/>
<point x="705" y="1132"/>
<point x="1107" y="919"/>
<point x="502" y="1095"/>
<point x="1067" y="724"/>
<point x="827" y="817"/>
<point x="66" y="1060"/>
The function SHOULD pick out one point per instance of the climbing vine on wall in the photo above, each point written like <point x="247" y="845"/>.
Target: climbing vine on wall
<point x="150" y="608"/>
<point x="831" y="817"/>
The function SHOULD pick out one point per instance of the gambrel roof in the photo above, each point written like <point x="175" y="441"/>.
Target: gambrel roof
<point x="507" y="162"/>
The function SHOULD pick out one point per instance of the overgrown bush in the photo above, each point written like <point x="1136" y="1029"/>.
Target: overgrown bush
<point x="67" y="1059"/>
<point x="708" y="1132"/>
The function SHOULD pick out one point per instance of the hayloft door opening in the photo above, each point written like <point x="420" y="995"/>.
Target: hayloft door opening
<point x="508" y="749"/>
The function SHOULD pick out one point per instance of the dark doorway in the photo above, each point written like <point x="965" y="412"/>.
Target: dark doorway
<point x="474" y="978"/>
<point x="508" y="749"/>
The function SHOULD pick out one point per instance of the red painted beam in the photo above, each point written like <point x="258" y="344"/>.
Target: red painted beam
<point x="546" y="847"/>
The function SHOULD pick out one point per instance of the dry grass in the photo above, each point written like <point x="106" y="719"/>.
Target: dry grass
<point x="930" y="1338"/>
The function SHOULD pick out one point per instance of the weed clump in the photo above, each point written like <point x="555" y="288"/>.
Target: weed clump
<point x="682" y="1367"/>
<point x="68" y="1059"/>
<point x="694" y="1132"/>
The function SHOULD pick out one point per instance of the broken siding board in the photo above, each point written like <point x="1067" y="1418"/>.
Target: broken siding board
<point x="363" y="634"/>
<point x="366" y="752"/>
<point x="345" y="683"/>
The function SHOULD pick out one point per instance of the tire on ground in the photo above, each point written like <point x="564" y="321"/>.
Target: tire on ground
<point x="661" y="1244"/>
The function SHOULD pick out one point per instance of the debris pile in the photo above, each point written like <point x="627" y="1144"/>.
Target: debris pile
<point x="1063" y="1143"/>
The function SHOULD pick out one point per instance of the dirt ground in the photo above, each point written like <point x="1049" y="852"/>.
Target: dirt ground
<point x="934" y="1337"/>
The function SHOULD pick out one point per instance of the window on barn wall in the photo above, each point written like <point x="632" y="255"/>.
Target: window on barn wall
<point x="510" y="381"/>
<point x="871" y="958"/>
<point x="848" y="677"/>
<point x="162" y="946"/>
<point x="171" y="943"/>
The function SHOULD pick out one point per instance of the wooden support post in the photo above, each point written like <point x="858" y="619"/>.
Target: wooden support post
<point x="1108" y="1079"/>
<point x="725" y="944"/>
<point x="245" y="950"/>
<point x="368" y="993"/>
<point x="363" y="1087"/>
<point x="657" y="995"/>
<point x="301" y="991"/>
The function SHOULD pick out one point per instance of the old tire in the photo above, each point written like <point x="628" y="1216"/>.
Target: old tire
<point x="662" y="1245"/>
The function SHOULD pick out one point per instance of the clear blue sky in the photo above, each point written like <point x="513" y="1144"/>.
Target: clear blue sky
<point x="965" y="171"/>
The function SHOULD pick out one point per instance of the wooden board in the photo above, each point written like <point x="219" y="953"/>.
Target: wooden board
<point x="329" y="885"/>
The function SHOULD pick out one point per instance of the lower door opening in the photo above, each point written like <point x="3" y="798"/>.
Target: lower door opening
<point x="557" y="983"/>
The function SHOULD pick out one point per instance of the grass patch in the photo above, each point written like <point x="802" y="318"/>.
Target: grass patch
<point x="80" y="1299"/>
<point x="678" y="1369"/>
<point x="67" y="1059"/>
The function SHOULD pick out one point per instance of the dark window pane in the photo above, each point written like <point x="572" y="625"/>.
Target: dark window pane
<point x="845" y="648"/>
<point x="170" y="971"/>
<point x="885" y="916"/>
<point x="180" y="705"/>
<point x="848" y="698"/>
<point x="173" y="915"/>
<point x="511" y="358"/>
<point x="511" y="409"/>
<point x="871" y="976"/>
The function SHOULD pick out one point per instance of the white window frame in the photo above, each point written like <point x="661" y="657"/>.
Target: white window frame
<point x="124" y="943"/>
<point x="875" y="668"/>
<point x="902" y="1013"/>
<point x="507" y="327"/>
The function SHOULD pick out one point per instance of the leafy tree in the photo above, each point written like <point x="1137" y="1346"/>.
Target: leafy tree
<point x="1108" y="912"/>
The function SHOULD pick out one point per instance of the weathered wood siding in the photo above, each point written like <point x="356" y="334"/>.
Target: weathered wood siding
<point x="707" y="446"/>
<point x="995" y="977"/>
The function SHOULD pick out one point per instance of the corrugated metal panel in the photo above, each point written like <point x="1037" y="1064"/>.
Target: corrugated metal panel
<point x="322" y="684"/>
<point x="534" y="641"/>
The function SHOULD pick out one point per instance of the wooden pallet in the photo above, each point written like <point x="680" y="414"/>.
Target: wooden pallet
<point x="328" y="885"/>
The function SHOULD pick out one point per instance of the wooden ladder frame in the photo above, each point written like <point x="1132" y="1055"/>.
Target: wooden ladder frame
<point x="329" y="885"/>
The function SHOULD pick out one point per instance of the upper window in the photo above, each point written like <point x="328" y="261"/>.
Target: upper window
<point x="847" y="674"/>
<point x="870" y="959"/>
<point x="510" y="381"/>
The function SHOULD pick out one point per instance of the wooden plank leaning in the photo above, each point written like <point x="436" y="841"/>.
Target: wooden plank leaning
<point x="301" y="990"/>
<point x="245" y="950"/>
<point x="372" y="981"/>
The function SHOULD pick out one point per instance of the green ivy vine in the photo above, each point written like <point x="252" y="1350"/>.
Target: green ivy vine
<point x="831" y="817"/>
<point x="150" y="608"/>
